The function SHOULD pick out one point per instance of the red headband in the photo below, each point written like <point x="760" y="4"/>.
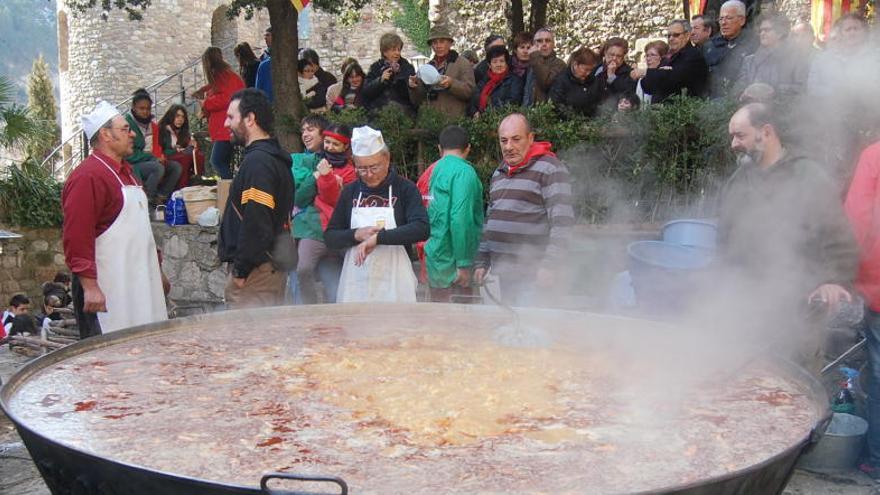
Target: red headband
<point x="339" y="137"/>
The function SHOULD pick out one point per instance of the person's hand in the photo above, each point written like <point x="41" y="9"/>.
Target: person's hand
<point x="364" y="249"/>
<point x="386" y="74"/>
<point x="93" y="298"/>
<point x="479" y="276"/>
<point x="533" y="48"/>
<point x="830" y="294"/>
<point x="239" y="282"/>
<point x="636" y="74"/>
<point x="163" y="160"/>
<point x="324" y="167"/>
<point x="199" y="94"/>
<point x="611" y="68"/>
<point x="413" y="82"/>
<point x="476" y="115"/>
<point x="462" y="277"/>
<point x="445" y="82"/>
<point x="364" y="233"/>
<point x="544" y="278"/>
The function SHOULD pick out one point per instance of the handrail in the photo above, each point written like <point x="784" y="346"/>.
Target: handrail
<point x="63" y="166"/>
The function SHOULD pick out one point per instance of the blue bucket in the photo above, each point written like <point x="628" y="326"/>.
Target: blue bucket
<point x="665" y="275"/>
<point x="691" y="232"/>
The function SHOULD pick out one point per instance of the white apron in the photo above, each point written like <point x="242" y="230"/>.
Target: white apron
<point x="387" y="274"/>
<point x="128" y="267"/>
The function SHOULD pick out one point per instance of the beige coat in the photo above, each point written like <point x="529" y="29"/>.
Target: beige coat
<point x="453" y="101"/>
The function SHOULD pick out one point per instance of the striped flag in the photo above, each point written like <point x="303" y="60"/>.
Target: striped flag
<point x="299" y="5"/>
<point x="823" y="13"/>
<point x="696" y="7"/>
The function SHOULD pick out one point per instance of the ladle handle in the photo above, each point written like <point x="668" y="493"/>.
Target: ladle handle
<point x="264" y="482"/>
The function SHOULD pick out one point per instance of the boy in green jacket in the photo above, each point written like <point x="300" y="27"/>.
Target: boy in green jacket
<point x="453" y="195"/>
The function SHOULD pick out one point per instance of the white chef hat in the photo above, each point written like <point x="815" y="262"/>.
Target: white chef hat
<point x="366" y="141"/>
<point x="102" y="114"/>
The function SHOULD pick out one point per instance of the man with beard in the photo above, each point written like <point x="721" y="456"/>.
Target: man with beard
<point x="783" y="238"/>
<point x="259" y="207"/>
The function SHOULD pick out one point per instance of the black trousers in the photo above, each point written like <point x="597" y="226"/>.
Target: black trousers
<point x="87" y="323"/>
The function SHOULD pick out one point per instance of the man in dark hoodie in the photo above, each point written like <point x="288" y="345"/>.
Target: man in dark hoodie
<point x="259" y="206"/>
<point x="377" y="219"/>
<point x="783" y="238"/>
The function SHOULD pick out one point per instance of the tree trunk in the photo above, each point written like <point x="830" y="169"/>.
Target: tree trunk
<point x="288" y="104"/>
<point x="538" y="17"/>
<point x="517" y="23"/>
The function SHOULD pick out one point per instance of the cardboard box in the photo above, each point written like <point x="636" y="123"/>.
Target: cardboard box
<point x="223" y="186"/>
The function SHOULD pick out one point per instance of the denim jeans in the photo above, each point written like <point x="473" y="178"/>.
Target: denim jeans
<point x="872" y="334"/>
<point x="221" y="158"/>
<point x="329" y="270"/>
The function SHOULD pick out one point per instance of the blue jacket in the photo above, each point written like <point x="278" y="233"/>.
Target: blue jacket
<point x="264" y="78"/>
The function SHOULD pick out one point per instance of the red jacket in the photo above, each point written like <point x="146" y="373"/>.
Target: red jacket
<point x="863" y="209"/>
<point x="216" y="102"/>
<point x="329" y="188"/>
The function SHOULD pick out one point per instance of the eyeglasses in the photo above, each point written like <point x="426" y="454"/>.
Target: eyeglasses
<point x="728" y="18"/>
<point x="126" y="129"/>
<point x="675" y="35"/>
<point x="543" y="40"/>
<point x="372" y="169"/>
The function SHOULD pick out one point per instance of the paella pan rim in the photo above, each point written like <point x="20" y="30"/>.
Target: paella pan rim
<point x="800" y="375"/>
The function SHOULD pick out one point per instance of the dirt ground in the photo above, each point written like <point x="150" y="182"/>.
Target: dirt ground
<point x="19" y="476"/>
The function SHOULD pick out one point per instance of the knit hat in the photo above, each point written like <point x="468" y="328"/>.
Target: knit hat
<point x="366" y="141"/>
<point x="102" y="114"/>
<point x="439" y="32"/>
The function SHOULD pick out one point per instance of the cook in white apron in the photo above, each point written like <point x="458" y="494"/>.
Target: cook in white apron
<point x="128" y="267"/>
<point x="386" y="275"/>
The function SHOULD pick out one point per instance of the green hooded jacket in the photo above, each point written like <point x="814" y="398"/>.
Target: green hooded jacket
<point x="306" y="221"/>
<point x="456" y="215"/>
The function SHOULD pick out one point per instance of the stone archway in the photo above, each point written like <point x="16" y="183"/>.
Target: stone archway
<point x="224" y="34"/>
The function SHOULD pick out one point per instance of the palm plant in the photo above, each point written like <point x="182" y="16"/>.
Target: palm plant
<point x="18" y="127"/>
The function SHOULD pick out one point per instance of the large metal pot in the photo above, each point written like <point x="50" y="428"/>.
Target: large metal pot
<point x="73" y="470"/>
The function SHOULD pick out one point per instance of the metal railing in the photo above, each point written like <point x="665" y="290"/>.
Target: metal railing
<point x="171" y="89"/>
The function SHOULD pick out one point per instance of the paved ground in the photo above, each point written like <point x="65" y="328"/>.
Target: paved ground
<point x="18" y="476"/>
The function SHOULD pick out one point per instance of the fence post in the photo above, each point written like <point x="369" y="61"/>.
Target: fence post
<point x="182" y="89"/>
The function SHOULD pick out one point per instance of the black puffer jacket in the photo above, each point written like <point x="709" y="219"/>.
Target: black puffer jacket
<point x="569" y="93"/>
<point x="510" y="91"/>
<point x="378" y="93"/>
<point x="683" y="71"/>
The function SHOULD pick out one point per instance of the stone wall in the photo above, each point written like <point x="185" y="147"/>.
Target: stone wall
<point x="189" y="259"/>
<point x="110" y="59"/>
<point x="334" y="42"/>
<point x="27" y="262"/>
<point x="575" y="22"/>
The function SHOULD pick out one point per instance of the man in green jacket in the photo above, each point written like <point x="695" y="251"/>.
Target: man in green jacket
<point x="453" y="195"/>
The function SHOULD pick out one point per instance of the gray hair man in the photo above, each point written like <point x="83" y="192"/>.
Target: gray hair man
<point x="725" y="52"/>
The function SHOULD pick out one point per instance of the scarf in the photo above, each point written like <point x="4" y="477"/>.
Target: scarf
<point x="493" y="82"/>
<point x="519" y="67"/>
<point x="336" y="160"/>
<point x="440" y="62"/>
<point x="145" y="121"/>
<point x="539" y="148"/>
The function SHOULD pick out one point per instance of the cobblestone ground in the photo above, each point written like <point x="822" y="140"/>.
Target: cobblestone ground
<point x="18" y="476"/>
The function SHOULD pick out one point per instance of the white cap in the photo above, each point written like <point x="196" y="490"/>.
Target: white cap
<point x="102" y="114"/>
<point x="366" y="141"/>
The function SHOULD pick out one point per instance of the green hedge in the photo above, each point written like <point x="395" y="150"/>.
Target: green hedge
<point x="30" y="196"/>
<point x="646" y="166"/>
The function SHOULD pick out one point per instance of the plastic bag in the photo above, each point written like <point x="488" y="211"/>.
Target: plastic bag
<point x="210" y="217"/>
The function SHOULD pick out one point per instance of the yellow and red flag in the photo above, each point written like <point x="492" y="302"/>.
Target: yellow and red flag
<point x="696" y="7"/>
<point x="823" y="13"/>
<point x="299" y="5"/>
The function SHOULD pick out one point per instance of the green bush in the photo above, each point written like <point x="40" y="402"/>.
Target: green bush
<point x="661" y="161"/>
<point x="412" y="18"/>
<point x="30" y="196"/>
